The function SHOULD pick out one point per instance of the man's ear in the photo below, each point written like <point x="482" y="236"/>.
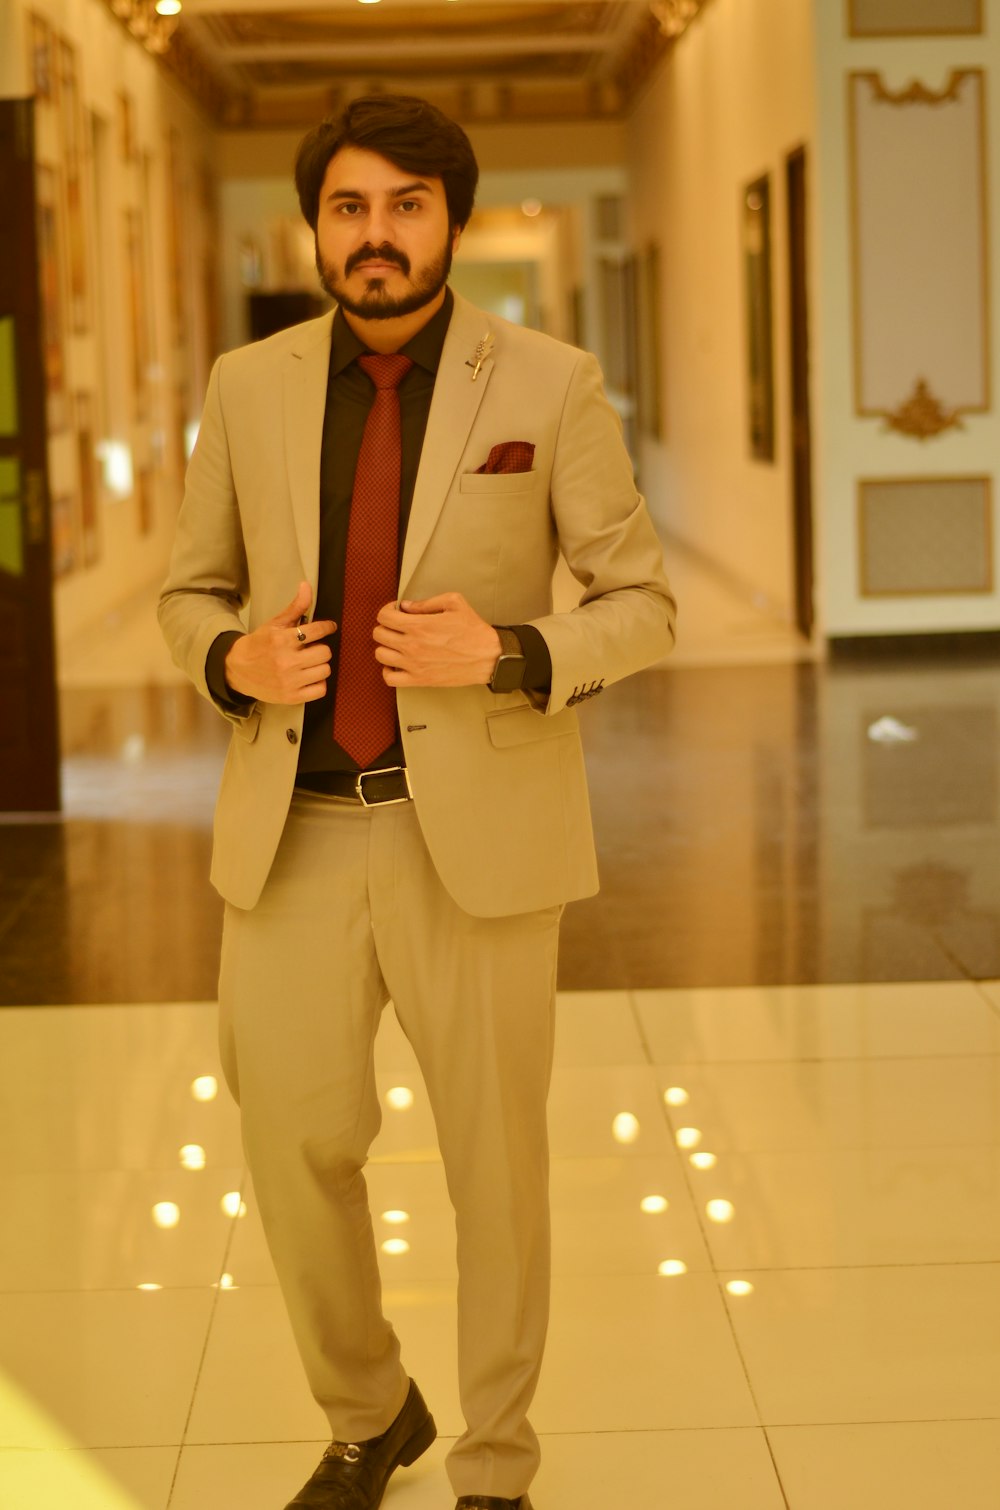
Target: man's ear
<point x="456" y="236"/>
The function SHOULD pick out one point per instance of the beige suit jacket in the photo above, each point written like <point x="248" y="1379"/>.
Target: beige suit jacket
<point x="498" y="780"/>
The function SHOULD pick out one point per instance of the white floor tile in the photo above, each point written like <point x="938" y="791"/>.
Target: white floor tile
<point x="596" y="1028"/>
<point x="630" y="1354"/>
<point x="599" y="1227"/>
<point x="95" y="1230"/>
<point x="111" y="1088"/>
<point x="851" y="1103"/>
<point x="122" y="1478"/>
<point x="834" y="1207"/>
<point x="924" y="1465"/>
<point x="109" y="1368"/>
<point x="926" y="1019"/>
<point x="828" y="1346"/>
<point x="585" y="1101"/>
<point x="656" y="1470"/>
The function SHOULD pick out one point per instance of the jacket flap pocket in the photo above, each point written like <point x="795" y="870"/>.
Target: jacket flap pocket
<point x="521" y="723"/>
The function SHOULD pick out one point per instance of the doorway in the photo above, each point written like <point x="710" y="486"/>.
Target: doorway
<point x="802" y="520"/>
<point x="29" y="729"/>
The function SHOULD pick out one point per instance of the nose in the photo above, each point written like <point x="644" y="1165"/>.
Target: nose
<point x="380" y="227"/>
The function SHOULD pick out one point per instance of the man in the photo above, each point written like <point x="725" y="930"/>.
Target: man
<point x="403" y="812"/>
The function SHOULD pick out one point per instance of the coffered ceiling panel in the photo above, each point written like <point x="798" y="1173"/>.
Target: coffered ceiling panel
<point x="257" y="63"/>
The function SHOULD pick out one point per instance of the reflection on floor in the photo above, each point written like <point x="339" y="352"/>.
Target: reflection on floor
<point x="777" y="1286"/>
<point x="757" y="825"/>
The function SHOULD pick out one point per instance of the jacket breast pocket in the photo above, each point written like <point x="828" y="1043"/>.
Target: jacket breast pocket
<point x="487" y="485"/>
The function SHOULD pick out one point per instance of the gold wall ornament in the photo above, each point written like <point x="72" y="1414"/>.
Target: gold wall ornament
<point x="918" y="93"/>
<point x="923" y="415"/>
<point x="675" y="16"/>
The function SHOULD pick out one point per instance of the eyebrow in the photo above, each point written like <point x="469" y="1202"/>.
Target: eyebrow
<point x="400" y="193"/>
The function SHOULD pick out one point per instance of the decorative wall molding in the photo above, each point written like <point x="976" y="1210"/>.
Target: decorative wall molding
<point x="918" y="93"/>
<point x="915" y="18"/>
<point x="923" y="415"/>
<point x="925" y="536"/>
<point x="920" y="257"/>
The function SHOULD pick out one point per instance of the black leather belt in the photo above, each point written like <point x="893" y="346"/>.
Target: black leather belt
<point x="370" y="788"/>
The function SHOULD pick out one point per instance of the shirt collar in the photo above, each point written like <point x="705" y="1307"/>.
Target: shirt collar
<point x="424" y="349"/>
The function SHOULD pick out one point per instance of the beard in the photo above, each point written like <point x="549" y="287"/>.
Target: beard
<point x="376" y="303"/>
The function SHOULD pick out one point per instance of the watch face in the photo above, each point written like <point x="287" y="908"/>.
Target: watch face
<point x="508" y="674"/>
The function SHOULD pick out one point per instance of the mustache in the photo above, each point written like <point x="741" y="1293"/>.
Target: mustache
<point x="384" y="253"/>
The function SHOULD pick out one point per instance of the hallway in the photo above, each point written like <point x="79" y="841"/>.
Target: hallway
<point x="775" y="1190"/>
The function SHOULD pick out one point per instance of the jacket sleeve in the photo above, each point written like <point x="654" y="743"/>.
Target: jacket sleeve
<point x="207" y="582"/>
<point x="626" y="615"/>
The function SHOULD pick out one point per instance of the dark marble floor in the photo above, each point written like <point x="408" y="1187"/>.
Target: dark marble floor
<point x="753" y="827"/>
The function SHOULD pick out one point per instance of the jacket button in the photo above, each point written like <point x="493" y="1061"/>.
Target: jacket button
<point x="291" y="736"/>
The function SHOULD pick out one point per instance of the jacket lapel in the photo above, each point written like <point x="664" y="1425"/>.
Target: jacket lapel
<point x="453" y="410"/>
<point x="304" y="398"/>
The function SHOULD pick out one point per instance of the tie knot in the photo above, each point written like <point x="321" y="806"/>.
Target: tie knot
<point x="386" y="371"/>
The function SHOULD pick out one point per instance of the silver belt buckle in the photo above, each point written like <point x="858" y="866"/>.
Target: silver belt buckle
<point x="389" y="770"/>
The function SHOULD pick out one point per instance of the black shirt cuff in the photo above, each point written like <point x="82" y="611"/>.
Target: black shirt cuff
<point x="537" y="660"/>
<point x="215" y="674"/>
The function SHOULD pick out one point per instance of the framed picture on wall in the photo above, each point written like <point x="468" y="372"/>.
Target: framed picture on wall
<point x="41" y="71"/>
<point x="74" y="165"/>
<point x="64" y="539"/>
<point x="127" y="148"/>
<point x="144" y="497"/>
<point x="50" y="291"/>
<point x="175" y="234"/>
<point x="86" y="444"/>
<point x="649" y="394"/>
<point x="759" y="317"/>
<point x="137" y="310"/>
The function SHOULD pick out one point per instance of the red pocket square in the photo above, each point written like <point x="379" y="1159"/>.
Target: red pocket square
<point x="509" y="456"/>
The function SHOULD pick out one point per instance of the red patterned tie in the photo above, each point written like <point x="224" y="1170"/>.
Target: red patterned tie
<point x="364" y="717"/>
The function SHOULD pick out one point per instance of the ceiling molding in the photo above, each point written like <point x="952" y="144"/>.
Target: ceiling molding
<point x="256" y="64"/>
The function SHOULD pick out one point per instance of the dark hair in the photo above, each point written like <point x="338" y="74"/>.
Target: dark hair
<point x="409" y="132"/>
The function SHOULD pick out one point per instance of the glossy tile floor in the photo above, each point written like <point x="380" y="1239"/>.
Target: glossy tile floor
<point x="776" y="1191"/>
<point x="820" y="1165"/>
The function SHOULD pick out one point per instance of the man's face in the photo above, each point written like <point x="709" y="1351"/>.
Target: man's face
<point x="383" y="239"/>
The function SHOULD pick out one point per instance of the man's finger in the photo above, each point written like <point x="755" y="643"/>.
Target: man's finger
<point x="297" y="608"/>
<point x="317" y="630"/>
<point x="442" y="602"/>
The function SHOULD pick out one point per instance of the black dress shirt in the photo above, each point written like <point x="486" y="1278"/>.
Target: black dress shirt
<point x="349" y="396"/>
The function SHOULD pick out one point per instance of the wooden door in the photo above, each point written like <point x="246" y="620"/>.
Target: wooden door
<point x="29" y="728"/>
<point x="802" y="520"/>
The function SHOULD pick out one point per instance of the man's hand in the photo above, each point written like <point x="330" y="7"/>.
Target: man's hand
<point x="437" y="642"/>
<point x="280" y="662"/>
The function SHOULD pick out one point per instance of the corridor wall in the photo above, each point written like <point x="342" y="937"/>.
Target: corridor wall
<point x="126" y="208"/>
<point x="734" y="95"/>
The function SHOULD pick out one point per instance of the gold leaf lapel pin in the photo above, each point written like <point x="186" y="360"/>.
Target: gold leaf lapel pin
<point x="481" y="352"/>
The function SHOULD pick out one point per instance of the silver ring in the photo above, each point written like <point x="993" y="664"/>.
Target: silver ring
<point x="300" y="635"/>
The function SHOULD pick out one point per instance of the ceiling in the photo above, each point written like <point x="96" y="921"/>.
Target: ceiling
<point x="257" y="63"/>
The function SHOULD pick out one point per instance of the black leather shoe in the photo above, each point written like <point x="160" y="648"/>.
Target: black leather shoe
<point x="353" y="1475"/>
<point x="491" y="1502"/>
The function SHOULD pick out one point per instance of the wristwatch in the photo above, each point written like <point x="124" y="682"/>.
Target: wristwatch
<point x="508" y="673"/>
